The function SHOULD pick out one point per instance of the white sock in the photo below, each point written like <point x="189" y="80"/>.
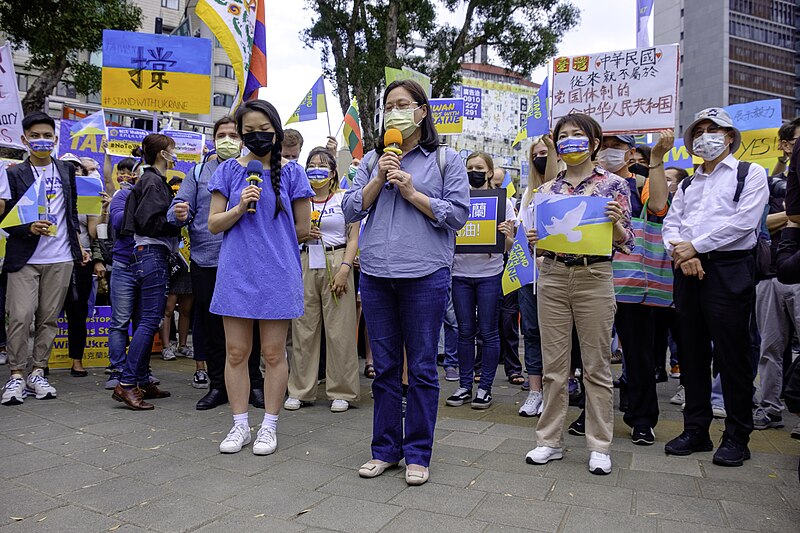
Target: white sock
<point x="241" y="420"/>
<point x="270" y="421"/>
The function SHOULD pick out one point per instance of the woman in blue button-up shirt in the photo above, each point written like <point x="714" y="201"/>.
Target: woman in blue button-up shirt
<point x="414" y="205"/>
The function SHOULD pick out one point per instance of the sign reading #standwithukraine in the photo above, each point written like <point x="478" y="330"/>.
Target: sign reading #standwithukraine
<point x="573" y="224"/>
<point x="448" y="115"/>
<point x="479" y="234"/>
<point x="156" y="72"/>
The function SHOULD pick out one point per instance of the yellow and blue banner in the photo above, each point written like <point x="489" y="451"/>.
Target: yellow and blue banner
<point x="26" y="210"/>
<point x="94" y="124"/>
<point x="89" y="200"/>
<point x="521" y="267"/>
<point x="448" y="115"/>
<point x="121" y="141"/>
<point x="156" y="72"/>
<point x="479" y="234"/>
<point x="508" y="185"/>
<point x="573" y="224"/>
<point x="313" y="103"/>
<point x="537" y="122"/>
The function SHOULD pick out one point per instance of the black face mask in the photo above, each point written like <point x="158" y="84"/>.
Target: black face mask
<point x="540" y="164"/>
<point x="477" y="179"/>
<point x="640" y="170"/>
<point x="259" y="142"/>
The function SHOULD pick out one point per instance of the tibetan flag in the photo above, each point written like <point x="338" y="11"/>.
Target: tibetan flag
<point x="573" y="224"/>
<point x="508" y="185"/>
<point x="521" y="267"/>
<point x="313" y="103"/>
<point x="257" y="75"/>
<point x="352" y="131"/>
<point x="537" y="122"/>
<point x="94" y="124"/>
<point x="89" y="200"/>
<point x="26" y="210"/>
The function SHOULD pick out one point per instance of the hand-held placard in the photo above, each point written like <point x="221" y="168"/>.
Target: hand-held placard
<point x="254" y="170"/>
<point x="392" y="141"/>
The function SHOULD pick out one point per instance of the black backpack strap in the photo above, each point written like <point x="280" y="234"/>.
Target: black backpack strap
<point x="686" y="182"/>
<point x="741" y="175"/>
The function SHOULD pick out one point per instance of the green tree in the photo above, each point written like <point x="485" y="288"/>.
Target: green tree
<point x="358" y="38"/>
<point x="57" y="33"/>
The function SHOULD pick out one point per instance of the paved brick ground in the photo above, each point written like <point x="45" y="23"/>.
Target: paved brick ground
<point x="82" y="463"/>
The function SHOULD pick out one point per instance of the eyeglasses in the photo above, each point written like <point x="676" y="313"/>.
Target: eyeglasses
<point x="401" y="105"/>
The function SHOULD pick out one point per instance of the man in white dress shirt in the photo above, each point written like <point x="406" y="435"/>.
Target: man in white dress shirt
<point x="711" y="232"/>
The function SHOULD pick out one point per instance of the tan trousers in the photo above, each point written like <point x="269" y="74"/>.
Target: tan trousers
<point x="341" y="378"/>
<point x="35" y="291"/>
<point x="583" y="295"/>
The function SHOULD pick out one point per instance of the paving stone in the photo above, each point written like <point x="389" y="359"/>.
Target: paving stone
<point x="62" y="479"/>
<point x="173" y="512"/>
<point x="771" y="460"/>
<point x="211" y="484"/>
<point x="114" y="495"/>
<point x="67" y="519"/>
<point x="742" y="492"/>
<point x="347" y="514"/>
<point x="518" y="512"/>
<point x="439" y="499"/>
<point x="112" y="454"/>
<point x="580" y="520"/>
<point x="575" y="467"/>
<point x="380" y="489"/>
<point x="151" y="438"/>
<point x="580" y="494"/>
<point x="32" y="461"/>
<point x="504" y="462"/>
<point x="26" y="502"/>
<point x="301" y="474"/>
<point x="244" y="462"/>
<point x="453" y="475"/>
<point x="525" y="433"/>
<point x="518" y="447"/>
<point x="16" y="419"/>
<point x="69" y="444"/>
<point x="414" y="520"/>
<point x="472" y="440"/>
<point x="745" y="474"/>
<point x="761" y="518"/>
<point x="675" y="526"/>
<point x="462" y="425"/>
<point x="668" y="464"/>
<point x="520" y="485"/>
<point x="277" y="499"/>
<point x="456" y="455"/>
<point x="792" y="496"/>
<point x="43" y="431"/>
<point x="159" y="469"/>
<point x="322" y="452"/>
<point x="660" y="505"/>
<point x="238" y="521"/>
<point x="197" y="448"/>
<point x="659" y="482"/>
<point x="9" y="447"/>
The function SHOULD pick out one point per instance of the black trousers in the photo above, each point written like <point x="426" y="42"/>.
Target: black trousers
<point x="635" y="324"/>
<point x="76" y="307"/>
<point x="203" y="281"/>
<point x="509" y="333"/>
<point x="717" y="310"/>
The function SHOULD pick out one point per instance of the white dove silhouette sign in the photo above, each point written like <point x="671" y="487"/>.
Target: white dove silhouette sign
<point x="568" y="224"/>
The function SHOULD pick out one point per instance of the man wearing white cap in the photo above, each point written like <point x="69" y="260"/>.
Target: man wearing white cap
<point x="711" y="232"/>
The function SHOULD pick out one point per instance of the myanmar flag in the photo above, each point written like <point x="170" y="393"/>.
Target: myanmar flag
<point x="352" y="131"/>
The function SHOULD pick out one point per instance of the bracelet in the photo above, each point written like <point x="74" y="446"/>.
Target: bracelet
<point x="783" y="159"/>
<point x="661" y="164"/>
<point x="347" y="264"/>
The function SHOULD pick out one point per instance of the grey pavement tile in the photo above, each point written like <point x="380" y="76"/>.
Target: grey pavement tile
<point x="297" y="426"/>
<point x="504" y="462"/>
<point x="67" y="519"/>
<point x="115" y="495"/>
<point x="580" y="494"/>
<point x="792" y="496"/>
<point x="159" y="469"/>
<point x="575" y="467"/>
<point x="212" y="484"/>
<point x="302" y="474"/>
<point x="62" y="479"/>
<point x="15" y="419"/>
<point x="347" y="514"/>
<point x="659" y="482"/>
<point x="746" y="474"/>
<point x="518" y="447"/>
<point x="580" y="520"/>
<point x="151" y="438"/>
<point x="414" y="520"/>
<point x="197" y="448"/>
<point x="453" y="475"/>
<point x="323" y="452"/>
<point x="508" y="484"/>
<point x="114" y="427"/>
<point x="69" y="444"/>
<point x="9" y="447"/>
<point x="676" y="526"/>
<point x="355" y="460"/>
<point x="761" y="518"/>
<point x="492" y="528"/>
<point x="456" y="455"/>
<point x="439" y="499"/>
<point x="668" y="464"/>
<point x="337" y="436"/>
<point x="26" y="502"/>
<point x="742" y="492"/>
<point x="173" y="512"/>
<point x="518" y="512"/>
<point x="111" y="454"/>
<point x="380" y="489"/>
<point x="660" y="505"/>
<point x="244" y="462"/>
<point x="460" y="424"/>
<point x="526" y="433"/>
<point x="32" y="461"/>
<point x="473" y="440"/>
<point x="278" y="500"/>
<point x="769" y="460"/>
<point x="42" y="432"/>
<point x="238" y="521"/>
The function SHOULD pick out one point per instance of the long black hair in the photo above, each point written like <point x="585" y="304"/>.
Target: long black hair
<point x="268" y="110"/>
<point x="429" y="138"/>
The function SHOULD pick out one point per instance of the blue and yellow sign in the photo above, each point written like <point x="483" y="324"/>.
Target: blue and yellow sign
<point x="448" y="115"/>
<point x="479" y="234"/>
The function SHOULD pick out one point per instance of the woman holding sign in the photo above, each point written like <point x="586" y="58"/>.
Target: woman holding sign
<point x="416" y="203"/>
<point x="476" y="284"/>
<point x="579" y="289"/>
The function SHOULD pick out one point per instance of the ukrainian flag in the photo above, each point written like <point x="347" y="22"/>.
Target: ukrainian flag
<point x="573" y="224"/>
<point x="94" y="124"/>
<point x="26" y="210"/>
<point x="89" y="200"/>
<point x="520" y="268"/>
<point x="313" y="103"/>
<point x="537" y="121"/>
<point x="508" y="185"/>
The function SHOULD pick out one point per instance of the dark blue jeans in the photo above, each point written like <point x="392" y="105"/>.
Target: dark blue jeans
<point x="3" y="282"/>
<point x="530" y="330"/>
<point x="450" y="335"/>
<point x="404" y="313"/>
<point x="471" y="295"/>
<point x="151" y="276"/>
<point x="123" y="305"/>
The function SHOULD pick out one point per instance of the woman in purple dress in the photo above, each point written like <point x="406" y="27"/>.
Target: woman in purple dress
<point x="259" y="276"/>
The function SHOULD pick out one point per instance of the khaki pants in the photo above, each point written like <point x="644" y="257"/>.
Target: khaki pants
<point x="35" y="290"/>
<point x="341" y="379"/>
<point x="583" y="295"/>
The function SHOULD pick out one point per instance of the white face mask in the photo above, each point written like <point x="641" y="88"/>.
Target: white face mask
<point x="709" y="146"/>
<point x="611" y="159"/>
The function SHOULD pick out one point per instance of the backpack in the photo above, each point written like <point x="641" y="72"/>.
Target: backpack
<point x="762" y="252"/>
<point x="441" y="161"/>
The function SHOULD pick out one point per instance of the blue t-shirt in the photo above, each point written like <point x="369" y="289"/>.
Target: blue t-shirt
<point x="259" y="275"/>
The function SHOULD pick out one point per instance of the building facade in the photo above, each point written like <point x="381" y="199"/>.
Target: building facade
<point x="732" y="52"/>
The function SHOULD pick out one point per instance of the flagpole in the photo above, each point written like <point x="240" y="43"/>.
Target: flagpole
<point x="340" y="128"/>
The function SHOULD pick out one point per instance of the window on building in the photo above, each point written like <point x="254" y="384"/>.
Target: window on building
<point x="223" y="100"/>
<point x="23" y="82"/>
<point x="224" y="71"/>
<point x="171" y="4"/>
<point x="65" y="90"/>
<point x="217" y="44"/>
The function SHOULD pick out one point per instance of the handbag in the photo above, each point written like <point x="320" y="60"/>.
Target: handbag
<point x="645" y="275"/>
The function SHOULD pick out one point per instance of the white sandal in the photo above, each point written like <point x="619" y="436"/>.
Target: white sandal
<point x="371" y="469"/>
<point x="416" y="477"/>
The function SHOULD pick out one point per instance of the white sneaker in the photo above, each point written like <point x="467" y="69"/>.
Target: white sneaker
<point x="14" y="392"/>
<point x="238" y="436"/>
<point x="339" y="406"/>
<point x="266" y="442"/>
<point x="599" y="463"/>
<point x="533" y="405"/>
<point x="292" y="404"/>
<point x="680" y="396"/>
<point x="543" y="454"/>
<point x="168" y="353"/>
<point x="38" y="385"/>
<point x="3" y="356"/>
<point x="719" y="412"/>
<point x="185" y="351"/>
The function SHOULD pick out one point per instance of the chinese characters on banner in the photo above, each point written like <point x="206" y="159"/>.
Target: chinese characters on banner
<point x="472" y="101"/>
<point x="761" y="114"/>
<point x="448" y="115"/>
<point x="626" y="91"/>
<point x="188" y="144"/>
<point x="121" y="141"/>
<point x="96" y="353"/>
<point x="156" y="72"/>
<point x="479" y="234"/>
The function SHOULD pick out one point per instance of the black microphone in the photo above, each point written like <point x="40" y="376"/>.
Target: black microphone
<point x="254" y="170"/>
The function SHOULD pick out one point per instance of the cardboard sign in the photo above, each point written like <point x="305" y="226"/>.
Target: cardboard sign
<point x="473" y="98"/>
<point x="448" y="115"/>
<point x="487" y="209"/>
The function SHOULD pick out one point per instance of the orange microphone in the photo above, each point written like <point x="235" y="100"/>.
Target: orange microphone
<point x="392" y="141"/>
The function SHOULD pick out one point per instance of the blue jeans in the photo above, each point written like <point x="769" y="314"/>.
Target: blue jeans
<point x="469" y="295"/>
<point x="450" y="330"/>
<point x="123" y="304"/>
<point x="530" y="330"/>
<point x="404" y="313"/>
<point x="151" y="278"/>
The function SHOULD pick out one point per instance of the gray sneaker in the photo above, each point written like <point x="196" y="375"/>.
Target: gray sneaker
<point x="796" y="432"/>
<point x="533" y="404"/>
<point x="679" y="398"/>
<point x="3" y="356"/>
<point x="451" y="373"/>
<point x="113" y="379"/>
<point x="764" y="420"/>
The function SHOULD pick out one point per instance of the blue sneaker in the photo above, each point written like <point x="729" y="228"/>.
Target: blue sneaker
<point x="451" y="373"/>
<point x="113" y="379"/>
